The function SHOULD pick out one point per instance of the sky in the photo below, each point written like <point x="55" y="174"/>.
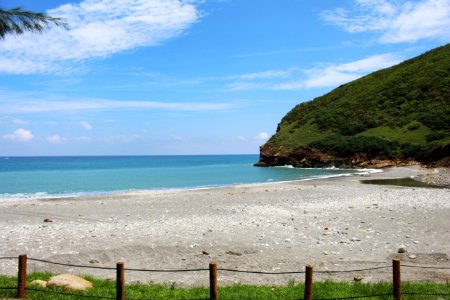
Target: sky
<point x="172" y="77"/>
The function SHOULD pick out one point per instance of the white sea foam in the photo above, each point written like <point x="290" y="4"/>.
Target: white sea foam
<point x="286" y="166"/>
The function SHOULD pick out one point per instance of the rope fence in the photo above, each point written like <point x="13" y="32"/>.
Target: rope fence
<point x="426" y="267"/>
<point x="69" y="265"/>
<point x="213" y="278"/>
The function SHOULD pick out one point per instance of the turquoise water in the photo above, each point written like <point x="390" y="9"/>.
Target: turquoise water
<point x="40" y="177"/>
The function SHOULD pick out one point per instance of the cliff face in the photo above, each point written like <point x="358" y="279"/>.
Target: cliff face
<point x="308" y="158"/>
<point x="299" y="158"/>
<point x="393" y="117"/>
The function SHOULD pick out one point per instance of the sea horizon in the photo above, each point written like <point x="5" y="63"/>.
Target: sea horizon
<point x="123" y="155"/>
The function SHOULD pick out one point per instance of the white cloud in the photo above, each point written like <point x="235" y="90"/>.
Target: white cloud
<point x="324" y="75"/>
<point x="369" y="64"/>
<point x="98" y="28"/>
<point x="86" y="125"/>
<point x="395" y="21"/>
<point x="262" y="136"/>
<point x="54" y="139"/>
<point x="334" y="75"/>
<point x="20" y="135"/>
<point x="366" y="15"/>
<point x="327" y="77"/>
<point x="426" y="20"/>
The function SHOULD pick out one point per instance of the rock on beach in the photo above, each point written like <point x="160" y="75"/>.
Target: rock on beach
<point x="69" y="282"/>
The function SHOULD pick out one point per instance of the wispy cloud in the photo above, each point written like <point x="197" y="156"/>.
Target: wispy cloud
<point x="262" y="136"/>
<point x="55" y="139"/>
<point x="395" y="21"/>
<point x="83" y="138"/>
<point x="245" y="86"/>
<point x="286" y="51"/>
<point x="323" y="75"/>
<point x="336" y="74"/>
<point x="122" y="138"/>
<point x="12" y="121"/>
<point x="266" y="74"/>
<point x="27" y="103"/>
<point x="86" y="125"/>
<point x="98" y="28"/>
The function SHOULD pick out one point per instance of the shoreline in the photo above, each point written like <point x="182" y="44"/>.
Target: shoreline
<point x="75" y="195"/>
<point x="334" y="224"/>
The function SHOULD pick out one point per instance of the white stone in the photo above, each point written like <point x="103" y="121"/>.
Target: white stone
<point x="39" y="283"/>
<point x="69" y="282"/>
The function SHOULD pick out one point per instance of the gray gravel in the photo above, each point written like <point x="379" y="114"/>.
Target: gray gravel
<point x="333" y="224"/>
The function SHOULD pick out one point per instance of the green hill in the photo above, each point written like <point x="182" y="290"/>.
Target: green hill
<point x="400" y="114"/>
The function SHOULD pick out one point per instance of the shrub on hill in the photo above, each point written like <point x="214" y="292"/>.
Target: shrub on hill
<point x="348" y="146"/>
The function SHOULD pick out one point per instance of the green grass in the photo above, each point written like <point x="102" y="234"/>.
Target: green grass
<point x="400" y="134"/>
<point x="292" y="136"/>
<point x="327" y="289"/>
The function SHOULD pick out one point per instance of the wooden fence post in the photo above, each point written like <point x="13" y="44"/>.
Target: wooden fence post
<point x="120" y="281"/>
<point x="213" y="280"/>
<point x="397" y="279"/>
<point x="22" y="277"/>
<point x="308" y="282"/>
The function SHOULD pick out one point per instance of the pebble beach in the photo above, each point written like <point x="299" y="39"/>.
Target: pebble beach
<point x="333" y="224"/>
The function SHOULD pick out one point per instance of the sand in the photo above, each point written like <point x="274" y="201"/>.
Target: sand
<point x="333" y="224"/>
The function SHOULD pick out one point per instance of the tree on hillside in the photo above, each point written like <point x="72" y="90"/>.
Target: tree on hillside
<point x="17" y="21"/>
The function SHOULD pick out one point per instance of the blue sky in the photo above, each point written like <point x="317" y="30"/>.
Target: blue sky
<point x="144" y="77"/>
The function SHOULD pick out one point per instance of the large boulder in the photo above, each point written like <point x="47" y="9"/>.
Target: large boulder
<point x="69" y="282"/>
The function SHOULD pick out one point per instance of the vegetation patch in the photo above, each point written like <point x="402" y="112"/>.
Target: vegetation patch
<point x="292" y="135"/>
<point x="405" y="182"/>
<point x="404" y="134"/>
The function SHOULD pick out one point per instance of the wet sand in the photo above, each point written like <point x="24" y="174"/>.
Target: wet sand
<point x="333" y="224"/>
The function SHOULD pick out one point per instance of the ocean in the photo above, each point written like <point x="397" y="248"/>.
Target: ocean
<point x="52" y="177"/>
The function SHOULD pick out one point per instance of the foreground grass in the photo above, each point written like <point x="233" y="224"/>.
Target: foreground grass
<point x="321" y="290"/>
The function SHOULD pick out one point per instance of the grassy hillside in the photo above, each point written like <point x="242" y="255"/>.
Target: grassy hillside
<point x="397" y="113"/>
